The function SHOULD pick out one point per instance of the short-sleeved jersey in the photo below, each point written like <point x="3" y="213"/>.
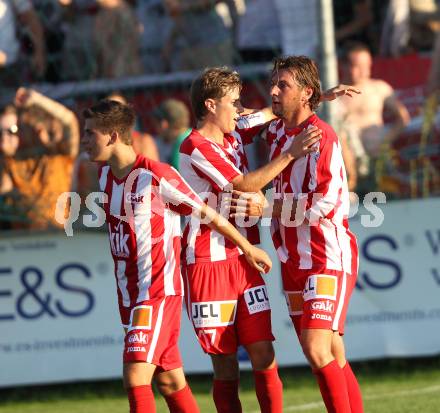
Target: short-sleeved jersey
<point x="320" y="239"/>
<point x="142" y="212"/>
<point x="209" y="168"/>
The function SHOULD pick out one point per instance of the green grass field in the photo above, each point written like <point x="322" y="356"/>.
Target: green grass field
<point x="391" y="386"/>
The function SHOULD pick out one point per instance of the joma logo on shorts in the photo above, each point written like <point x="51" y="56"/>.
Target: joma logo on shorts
<point x="326" y="306"/>
<point x="134" y="349"/>
<point x="140" y="338"/>
<point x="321" y="317"/>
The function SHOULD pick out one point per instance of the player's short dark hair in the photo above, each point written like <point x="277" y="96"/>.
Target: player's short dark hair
<point x="213" y="83"/>
<point x="111" y="116"/>
<point x="305" y="73"/>
<point x="353" y="47"/>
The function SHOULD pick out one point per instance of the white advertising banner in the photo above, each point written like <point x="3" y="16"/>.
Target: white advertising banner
<point x="59" y="318"/>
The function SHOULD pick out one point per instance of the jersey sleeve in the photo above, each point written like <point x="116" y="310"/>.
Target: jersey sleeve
<point x="249" y="126"/>
<point x="271" y="133"/>
<point x="211" y="163"/>
<point x="323" y="182"/>
<point x="175" y="192"/>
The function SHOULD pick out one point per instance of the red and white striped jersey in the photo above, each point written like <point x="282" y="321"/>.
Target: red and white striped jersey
<point x="322" y="240"/>
<point x="209" y="168"/>
<point x="143" y="217"/>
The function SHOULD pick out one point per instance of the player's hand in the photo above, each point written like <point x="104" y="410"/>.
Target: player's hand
<point x="258" y="259"/>
<point x="340" y="90"/>
<point x="304" y="142"/>
<point x="246" y="204"/>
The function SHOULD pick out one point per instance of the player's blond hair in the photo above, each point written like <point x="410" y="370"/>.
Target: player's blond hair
<point x="213" y="83"/>
<point x="304" y="72"/>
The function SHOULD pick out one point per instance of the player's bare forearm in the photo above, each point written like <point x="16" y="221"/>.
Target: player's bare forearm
<point x="258" y="179"/>
<point x="220" y="224"/>
<point x="255" y="256"/>
<point x="305" y="142"/>
<point x="245" y="205"/>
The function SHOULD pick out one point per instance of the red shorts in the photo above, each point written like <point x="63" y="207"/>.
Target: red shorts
<point x="153" y="332"/>
<point x="228" y="305"/>
<point x="317" y="300"/>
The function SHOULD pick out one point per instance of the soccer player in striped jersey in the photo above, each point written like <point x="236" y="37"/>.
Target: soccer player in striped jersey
<point x="142" y="201"/>
<point x="212" y="160"/>
<point x="317" y="250"/>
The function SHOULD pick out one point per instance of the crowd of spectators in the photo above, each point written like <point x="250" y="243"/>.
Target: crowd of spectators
<point x="72" y="40"/>
<point x="41" y="158"/>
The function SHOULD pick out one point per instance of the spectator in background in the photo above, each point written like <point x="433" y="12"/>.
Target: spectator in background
<point x="259" y="34"/>
<point x="116" y="38"/>
<point x="155" y="29"/>
<point x="173" y="123"/>
<point x="199" y="37"/>
<point x="18" y="16"/>
<point x="365" y="114"/>
<point x="424" y="24"/>
<point x="410" y="26"/>
<point x="37" y="167"/>
<point x="353" y="21"/>
<point x="395" y="32"/>
<point x="50" y="13"/>
<point x="79" y="54"/>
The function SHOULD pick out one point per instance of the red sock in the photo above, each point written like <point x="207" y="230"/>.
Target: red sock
<point x="333" y="388"/>
<point x="182" y="401"/>
<point x="225" y="395"/>
<point x="354" y="391"/>
<point x="141" y="399"/>
<point x="269" y="389"/>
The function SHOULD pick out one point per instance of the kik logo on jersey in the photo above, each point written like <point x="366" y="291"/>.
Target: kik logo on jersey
<point x="320" y="286"/>
<point x="213" y="313"/>
<point x="256" y="299"/>
<point x="118" y="241"/>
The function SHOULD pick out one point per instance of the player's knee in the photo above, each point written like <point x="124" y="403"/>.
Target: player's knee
<point x="133" y="375"/>
<point x="225" y="366"/>
<point x="262" y="355"/>
<point x="316" y="353"/>
<point x="167" y="387"/>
